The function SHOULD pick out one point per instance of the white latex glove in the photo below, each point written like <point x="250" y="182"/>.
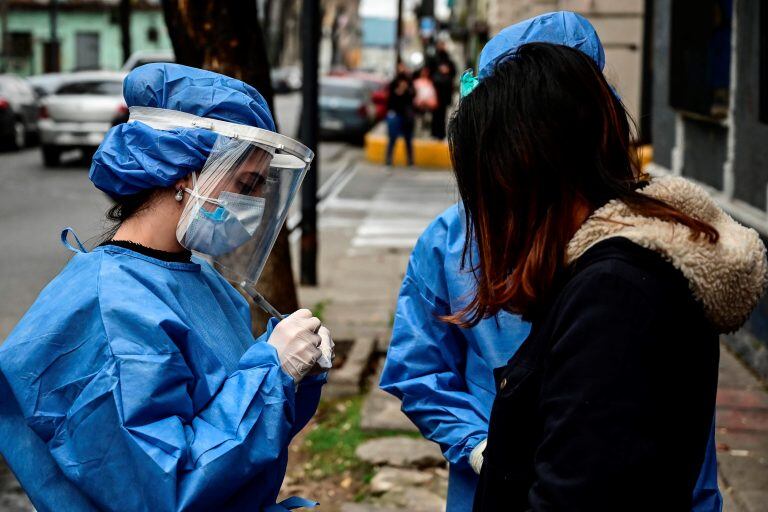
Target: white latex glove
<point x="476" y="456"/>
<point x="325" y="362"/>
<point x="297" y="343"/>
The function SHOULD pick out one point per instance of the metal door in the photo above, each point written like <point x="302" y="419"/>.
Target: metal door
<point x="87" y="50"/>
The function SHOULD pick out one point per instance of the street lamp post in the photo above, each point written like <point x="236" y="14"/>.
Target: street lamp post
<point x="6" y="53"/>
<point x="53" y="47"/>
<point x="125" y="28"/>
<point x="399" y="36"/>
<point x="310" y="40"/>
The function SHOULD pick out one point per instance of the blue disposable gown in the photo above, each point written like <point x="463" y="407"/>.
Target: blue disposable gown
<point x="135" y="384"/>
<point x="444" y="374"/>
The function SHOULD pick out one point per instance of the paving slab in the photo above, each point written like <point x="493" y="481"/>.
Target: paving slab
<point x="381" y="411"/>
<point x="400" y="451"/>
<point x="742" y="436"/>
<point x="388" y="479"/>
<point x="367" y="507"/>
<point x="348" y="380"/>
<point x="414" y="499"/>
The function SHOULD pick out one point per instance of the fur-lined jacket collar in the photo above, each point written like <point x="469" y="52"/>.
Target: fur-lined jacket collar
<point x="727" y="278"/>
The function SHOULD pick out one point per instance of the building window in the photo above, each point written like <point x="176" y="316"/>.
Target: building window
<point x="153" y="35"/>
<point x="87" y="50"/>
<point x="20" y="45"/>
<point x="700" y="57"/>
<point x="763" y="79"/>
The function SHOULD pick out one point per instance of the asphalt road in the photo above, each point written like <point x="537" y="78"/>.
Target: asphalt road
<point x="37" y="204"/>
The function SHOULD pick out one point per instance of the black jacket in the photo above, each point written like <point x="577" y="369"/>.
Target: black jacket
<point x="608" y="404"/>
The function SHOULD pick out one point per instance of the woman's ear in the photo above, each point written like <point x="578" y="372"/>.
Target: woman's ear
<point x="185" y="182"/>
<point x="179" y="187"/>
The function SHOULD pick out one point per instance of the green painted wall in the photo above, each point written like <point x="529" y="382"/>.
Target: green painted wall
<point x="70" y="23"/>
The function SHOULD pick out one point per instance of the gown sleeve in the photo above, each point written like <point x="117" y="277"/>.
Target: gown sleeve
<point x="135" y="423"/>
<point x="131" y="436"/>
<point x="426" y="357"/>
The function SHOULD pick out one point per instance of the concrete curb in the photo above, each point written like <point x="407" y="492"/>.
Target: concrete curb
<point x="348" y="380"/>
<point x="434" y="154"/>
<point x="427" y="153"/>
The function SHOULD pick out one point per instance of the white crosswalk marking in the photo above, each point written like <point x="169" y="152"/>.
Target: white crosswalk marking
<point x="402" y="208"/>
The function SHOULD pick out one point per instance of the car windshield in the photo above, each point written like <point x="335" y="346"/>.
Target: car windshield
<point x="350" y="92"/>
<point x="102" y="87"/>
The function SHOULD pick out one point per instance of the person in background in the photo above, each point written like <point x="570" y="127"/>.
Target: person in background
<point x="627" y="282"/>
<point x="134" y="383"/>
<point x="443" y="71"/>
<point x="444" y="373"/>
<point x="425" y="101"/>
<point x="400" y="114"/>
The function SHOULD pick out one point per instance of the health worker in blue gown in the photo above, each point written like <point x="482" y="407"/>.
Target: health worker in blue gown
<point x="133" y="383"/>
<point x="444" y="374"/>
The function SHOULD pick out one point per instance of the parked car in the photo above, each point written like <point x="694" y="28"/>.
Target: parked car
<point x="141" y="57"/>
<point x="286" y="79"/>
<point x="346" y="109"/>
<point x="376" y="83"/>
<point x="18" y="111"/>
<point x="80" y="112"/>
<point x="47" y="83"/>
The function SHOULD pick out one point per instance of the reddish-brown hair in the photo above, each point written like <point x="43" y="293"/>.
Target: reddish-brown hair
<point x="538" y="146"/>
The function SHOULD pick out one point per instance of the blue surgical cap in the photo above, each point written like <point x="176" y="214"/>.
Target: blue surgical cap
<point x="561" y="27"/>
<point x="134" y="157"/>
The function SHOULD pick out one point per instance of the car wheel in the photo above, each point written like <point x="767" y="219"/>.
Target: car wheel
<point x="51" y="156"/>
<point x="358" y="138"/>
<point x="19" y="135"/>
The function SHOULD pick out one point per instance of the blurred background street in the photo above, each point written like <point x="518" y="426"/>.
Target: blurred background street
<point x="694" y="80"/>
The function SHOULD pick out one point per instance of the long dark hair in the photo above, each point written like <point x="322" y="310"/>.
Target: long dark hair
<point x="124" y="208"/>
<point x="540" y="139"/>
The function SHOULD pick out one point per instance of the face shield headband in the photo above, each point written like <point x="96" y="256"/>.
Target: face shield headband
<point x="240" y="198"/>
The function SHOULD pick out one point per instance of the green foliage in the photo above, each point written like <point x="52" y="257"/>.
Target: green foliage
<point x="331" y="444"/>
<point x="319" y="308"/>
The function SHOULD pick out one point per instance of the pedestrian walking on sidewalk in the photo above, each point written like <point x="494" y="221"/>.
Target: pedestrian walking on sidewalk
<point x="444" y="374"/>
<point x="627" y="282"/>
<point x="134" y="383"/>
<point x="400" y="114"/>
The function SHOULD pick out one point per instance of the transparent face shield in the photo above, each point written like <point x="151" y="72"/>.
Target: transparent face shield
<point x="240" y="199"/>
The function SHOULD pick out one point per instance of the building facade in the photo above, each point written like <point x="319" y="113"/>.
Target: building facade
<point x="88" y="33"/>
<point x="618" y="22"/>
<point x="710" y="117"/>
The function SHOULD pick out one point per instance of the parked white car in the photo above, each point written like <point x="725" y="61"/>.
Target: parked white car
<point x="18" y="111"/>
<point x="141" y="57"/>
<point x="80" y="112"/>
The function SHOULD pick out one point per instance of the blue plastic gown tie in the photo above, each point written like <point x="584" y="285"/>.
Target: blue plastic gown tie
<point x="291" y="503"/>
<point x="65" y="242"/>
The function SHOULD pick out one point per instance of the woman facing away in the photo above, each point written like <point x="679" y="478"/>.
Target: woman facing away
<point x="133" y="383"/>
<point x="627" y="283"/>
<point x="444" y="374"/>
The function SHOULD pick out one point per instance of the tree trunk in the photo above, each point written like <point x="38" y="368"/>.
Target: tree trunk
<point x="225" y="36"/>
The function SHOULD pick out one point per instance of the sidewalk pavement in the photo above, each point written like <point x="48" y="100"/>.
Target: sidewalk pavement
<point x="365" y="243"/>
<point x="742" y="437"/>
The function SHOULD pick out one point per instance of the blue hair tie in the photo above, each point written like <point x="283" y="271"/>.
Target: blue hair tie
<point x="468" y="83"/>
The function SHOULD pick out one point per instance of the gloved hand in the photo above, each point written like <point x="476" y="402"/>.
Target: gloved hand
<point x="325" y="362"/>
<point x="476" y="456"/>
<point x="297" y="343"/>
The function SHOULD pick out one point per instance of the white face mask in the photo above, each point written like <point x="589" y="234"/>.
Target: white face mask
<point x="225" y="229"/>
